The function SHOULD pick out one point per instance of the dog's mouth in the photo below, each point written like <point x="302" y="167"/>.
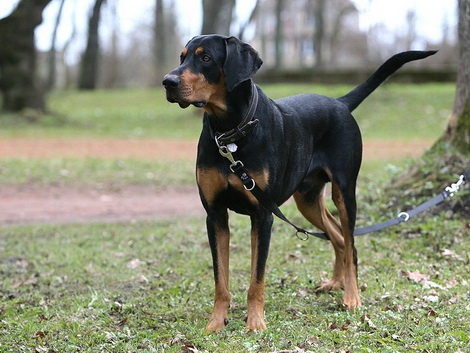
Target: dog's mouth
<point x="184" y="103"/>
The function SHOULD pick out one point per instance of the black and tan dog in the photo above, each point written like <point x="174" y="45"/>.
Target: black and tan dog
<point x="291" y="146"/>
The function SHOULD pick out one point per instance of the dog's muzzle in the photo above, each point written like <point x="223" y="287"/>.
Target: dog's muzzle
<point x="172" y="84"/>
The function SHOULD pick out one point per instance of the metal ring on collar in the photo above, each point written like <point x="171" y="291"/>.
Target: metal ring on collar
<point x="253" y="184"/>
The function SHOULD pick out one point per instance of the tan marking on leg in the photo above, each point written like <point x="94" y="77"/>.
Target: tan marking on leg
<point x="318" y="214"/>
<point x="219" y="318"/>
<point x="351" y="297"/>
<point x="255" y="315"/>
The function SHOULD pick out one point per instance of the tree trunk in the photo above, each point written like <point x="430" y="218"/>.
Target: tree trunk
<point x="279" y="33"/>
<point x="319" y="10"/>
<point x="52" y="52"/>
<point x="449" y="156"/>
<point x="161" y="45"/>
<point x="457" y="132"/>
<point x="19" y="83"/>
<point x="243" y="27"/>
<point x="89" y="66"/>
<point x="217" y="16"/>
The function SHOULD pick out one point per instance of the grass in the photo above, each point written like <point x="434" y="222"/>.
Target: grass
<point x="93" y="171"/>
<point x="148" y="286"/>
<point x="392" y="112"/>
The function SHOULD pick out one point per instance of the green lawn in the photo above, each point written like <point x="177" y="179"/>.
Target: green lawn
<point x="148" y="286"/>
<point x="392" y="112"/>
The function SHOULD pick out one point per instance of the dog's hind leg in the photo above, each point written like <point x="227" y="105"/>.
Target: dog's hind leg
<point x="312" y="206"/>
<point x="345" y="201"/>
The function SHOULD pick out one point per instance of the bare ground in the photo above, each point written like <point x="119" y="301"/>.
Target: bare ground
<point x="30" y="204"/>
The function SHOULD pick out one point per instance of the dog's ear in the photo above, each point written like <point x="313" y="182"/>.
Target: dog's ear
<point x="241" y="62"/>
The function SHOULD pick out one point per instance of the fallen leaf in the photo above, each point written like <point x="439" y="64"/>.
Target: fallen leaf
<point x="417" y="276"/>
<point x="39" y="334"/>
<point x="335" y="326"/>
<point x="133" y="264"/>
<point x="188" y="347"/>
<point x="451" y="254"/>
<point x="121" y="323"/>
<point x="431" y="298"/>
<point x="366" y="319"/>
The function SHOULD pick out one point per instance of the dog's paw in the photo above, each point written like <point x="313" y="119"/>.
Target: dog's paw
<point x="351" y="301"/>
<point x="215" y="326"/>
<point x="255" y="324"/>
<point x="329" y="286"/>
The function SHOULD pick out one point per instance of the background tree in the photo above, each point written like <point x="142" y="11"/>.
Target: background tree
<point x="166" y="43"/>
<point x="457" y="132"/>
<point x="254" y="12"/>
<point x="19" y="83"/>
<point x="279" y="39"/>
<point x="89" y="65"/>
<point x="319" y="9"/>
<point x="52" y="51"/>
<point x="217" y="16"/>
<point x="450" y="155"/>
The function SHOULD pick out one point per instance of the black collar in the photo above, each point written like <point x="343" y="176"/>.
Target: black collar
<point x="246" y="125"/>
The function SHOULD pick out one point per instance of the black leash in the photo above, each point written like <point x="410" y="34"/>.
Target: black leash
<point x="237" y="167"/>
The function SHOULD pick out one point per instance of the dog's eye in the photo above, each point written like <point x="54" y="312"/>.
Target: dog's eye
<point x="206" y="58"/>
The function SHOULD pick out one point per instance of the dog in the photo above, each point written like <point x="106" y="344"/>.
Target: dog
<point x="289" y="147"/>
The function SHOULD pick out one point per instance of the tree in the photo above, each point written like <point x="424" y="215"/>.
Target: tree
<point x="450" y="155"/>
<point x="52" y="51"/>
<point x="319" y="34"/>
<point x="19" y="83"/>
<point x="279" y="33"/>
<point x="89" y="65"/>
<point x="217" y="16"/>
<point x="457" y="132"/>
<point x="254" y="11"/>
<point x="166" y="44"/>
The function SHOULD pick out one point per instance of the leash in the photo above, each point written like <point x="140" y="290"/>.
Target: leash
<point x="237" y="167"/>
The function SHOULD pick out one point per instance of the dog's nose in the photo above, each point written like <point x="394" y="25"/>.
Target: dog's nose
<point x="171" y="81"/>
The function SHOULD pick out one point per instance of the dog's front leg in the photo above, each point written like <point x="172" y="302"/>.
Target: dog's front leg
<point x="219" y="240"/>
<point x="261" y="224"/>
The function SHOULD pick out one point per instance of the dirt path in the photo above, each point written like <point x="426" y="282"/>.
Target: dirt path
<point x="59" y="204"/>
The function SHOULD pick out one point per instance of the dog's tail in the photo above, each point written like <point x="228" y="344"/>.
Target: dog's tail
<point x="358" y="94"/>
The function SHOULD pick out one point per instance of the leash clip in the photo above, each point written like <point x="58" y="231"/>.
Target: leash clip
<point x="454" y="187"/>
<point x="405" y="216"/>
<point x="225" y="151"/>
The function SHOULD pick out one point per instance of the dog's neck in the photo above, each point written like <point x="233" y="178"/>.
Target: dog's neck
<point x="235" y="115"/>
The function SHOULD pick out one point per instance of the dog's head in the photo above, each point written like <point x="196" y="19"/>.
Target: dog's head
<point x="210" y="67"/>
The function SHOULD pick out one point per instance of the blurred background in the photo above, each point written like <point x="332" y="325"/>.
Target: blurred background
<point x="91" y="44"/>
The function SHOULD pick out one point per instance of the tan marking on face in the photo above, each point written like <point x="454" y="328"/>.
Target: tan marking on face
<point x="199" y="50"/>
<point x="195" y="88"/>
<point x="184" y="53"/>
